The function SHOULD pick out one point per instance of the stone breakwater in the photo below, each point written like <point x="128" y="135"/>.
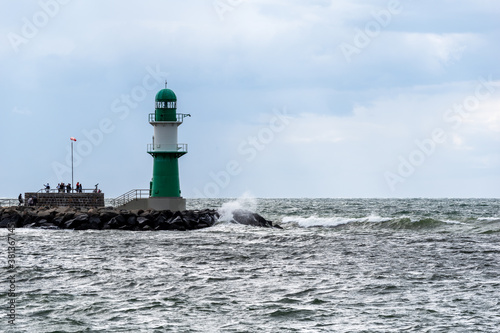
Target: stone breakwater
<point x="111" y="218"/>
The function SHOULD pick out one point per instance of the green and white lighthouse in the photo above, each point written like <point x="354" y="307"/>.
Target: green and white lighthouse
<point x="165" y="192"/>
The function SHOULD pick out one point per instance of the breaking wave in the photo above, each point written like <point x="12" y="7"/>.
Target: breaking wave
<point x="314" y="221"/>
<point x="245" y="202"/>
<point x="380" y="222"/>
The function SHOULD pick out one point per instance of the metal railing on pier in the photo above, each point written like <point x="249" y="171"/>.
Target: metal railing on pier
<point x="5" y="202"/>
<point x="65" y="190"/>
<point x="127" y="197"/>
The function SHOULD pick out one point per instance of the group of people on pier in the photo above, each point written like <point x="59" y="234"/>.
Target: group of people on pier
<point x="61" y="188"/>
<point x="32" y="201"/>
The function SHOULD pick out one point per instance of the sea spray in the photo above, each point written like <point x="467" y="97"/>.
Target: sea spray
<point x="245" y="202"/>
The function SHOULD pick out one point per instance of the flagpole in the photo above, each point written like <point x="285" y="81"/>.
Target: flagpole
<point x="72" y="179"/>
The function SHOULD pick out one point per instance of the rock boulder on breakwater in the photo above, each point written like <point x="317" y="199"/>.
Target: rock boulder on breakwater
<point x="112" y="218"/>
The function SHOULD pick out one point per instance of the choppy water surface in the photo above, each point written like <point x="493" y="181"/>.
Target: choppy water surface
<point x="355" y="265"/>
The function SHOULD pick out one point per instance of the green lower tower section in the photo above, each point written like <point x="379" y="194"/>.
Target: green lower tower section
<point x="165" y="175"/>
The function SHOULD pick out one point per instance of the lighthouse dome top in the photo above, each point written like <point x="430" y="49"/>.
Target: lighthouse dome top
<point x="165" y="95"/>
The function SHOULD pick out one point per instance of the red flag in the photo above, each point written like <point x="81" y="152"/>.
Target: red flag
<point x="72" y="139"/>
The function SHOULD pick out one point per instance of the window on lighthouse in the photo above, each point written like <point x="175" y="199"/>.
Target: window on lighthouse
<point x="168" y="105"/>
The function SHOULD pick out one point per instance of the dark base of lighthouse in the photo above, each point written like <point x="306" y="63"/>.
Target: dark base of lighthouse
<point x="173" y="204"/>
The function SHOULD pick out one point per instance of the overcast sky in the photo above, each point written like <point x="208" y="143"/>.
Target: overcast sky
<point x="289" y="98"/>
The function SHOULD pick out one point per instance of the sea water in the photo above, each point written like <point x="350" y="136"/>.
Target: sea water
<point x="339" y="265"/>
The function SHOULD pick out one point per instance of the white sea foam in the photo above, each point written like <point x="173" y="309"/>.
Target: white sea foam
<point x="246" y="201"/>
<point x="489" y="219"/>
<point x="452" y="222"/>
<point x="315" y="221"/>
